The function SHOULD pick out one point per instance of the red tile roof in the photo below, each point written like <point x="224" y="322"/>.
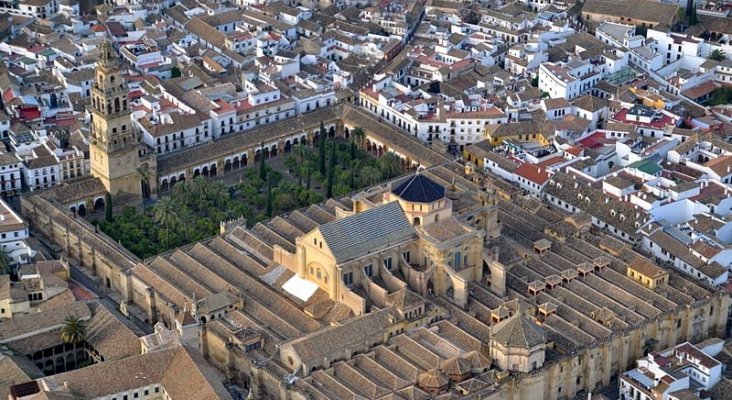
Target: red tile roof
<point x="533" y="173"/>
<point x="622" y="115"/>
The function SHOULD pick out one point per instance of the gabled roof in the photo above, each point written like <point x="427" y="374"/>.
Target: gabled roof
<point x="518" y="331"/>
<point x="353" y="236"/>
<point x="403" y="299"/>
<point x="418" y="189"/>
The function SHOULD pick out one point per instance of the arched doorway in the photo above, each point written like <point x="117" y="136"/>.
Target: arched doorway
<point x="60" y="365"/>
<point x="173" y="181"/>
<point x="72" y="209"/>
<point x="288" y="146"/>
<point x="204" y="171"/>
<point x="99" y="204"/>
<point x="82" y="210"/>
<point x="196" y="173"/>
<point x="70" y="362"/>
<point x="486" y="270"/>
<point x="164" y="185"/>
<point x="48" y="367"/>
<point x="331" y="132"/>
<point x="227" y="166"/>
<point x="273" y="152"/>
<point x="213" y="170"/>
<point x="244" y="160"/>
<point x="449" y="290"/>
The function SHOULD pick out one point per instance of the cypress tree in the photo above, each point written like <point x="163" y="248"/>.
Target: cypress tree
<point x="262" y="167"/>
<point x="352" y="182"/>
<point x="321" y="149"/>
<point x="108" y="213"/>
<point x="269" y="196"/>
<point x="331" y="173"/>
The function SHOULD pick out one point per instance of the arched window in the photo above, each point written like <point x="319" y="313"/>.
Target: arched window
<point x="458" y="259"/>
<point x="319" y="275"/>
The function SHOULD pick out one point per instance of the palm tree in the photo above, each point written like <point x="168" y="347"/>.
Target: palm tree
<point x="358" y="136"/>
<point x="718" y="55"/>
<point x="143" y="172"/>
<point x="370" y="175"/>
<point x="390" y="165"/>
<point x="184" y="215"/>
<point x="216" y="192"/>
<point x="182" y="191"/>
<point x="301" y="152"/>
<point x="166" y="213"/>
<point x="202" y="191"/>
<point x="73" y="331"/>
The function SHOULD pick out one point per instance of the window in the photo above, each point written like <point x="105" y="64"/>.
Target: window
<point x="368" y="270"/>
<point x="348" y="278"/>
<point x="387" y="263"/>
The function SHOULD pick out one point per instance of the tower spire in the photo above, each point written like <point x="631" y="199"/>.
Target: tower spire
<point x="107" y="56"/>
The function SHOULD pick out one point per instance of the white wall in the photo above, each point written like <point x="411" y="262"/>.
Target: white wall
<point x="678" y="212"/>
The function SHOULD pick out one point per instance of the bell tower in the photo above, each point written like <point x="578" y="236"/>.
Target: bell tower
<point x="114" y="144"/>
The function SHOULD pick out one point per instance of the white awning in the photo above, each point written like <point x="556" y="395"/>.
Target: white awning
<point x="300" y="288"/>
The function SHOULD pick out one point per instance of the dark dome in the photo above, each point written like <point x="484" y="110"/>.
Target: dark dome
<point x="418" y="189"/>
